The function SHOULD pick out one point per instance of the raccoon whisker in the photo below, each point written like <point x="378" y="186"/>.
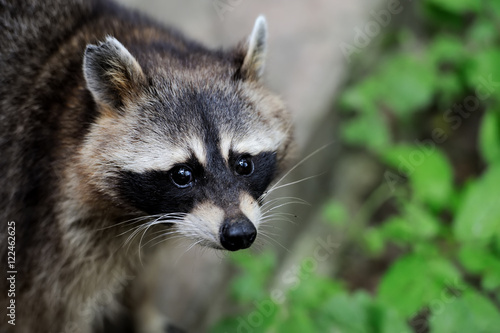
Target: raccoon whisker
<point x="191" y="230"/>
<point x="193" y="245"/>
<point x="277" y="214"/>
<point x="274" y="188"/>
<point x="284" y="198"/>
<point x="204" y="225"/>
<point x="175" y="222"/>
<point x="136" y="230"/>
<point x="274" y="218"/>
<point x="266" y="193"/>
<point x="267" y="232"/>
<point x="160" y="231"/>
<point x="163" y="234"/>
<point x="259" y="245"/>
<point x="175" y="236"/>
<point x="275" y="241"/>
<point x="189" y="248"/>
<point x="144" y="227"/>
<point x="285" y="204"/>
<point x="265" y="225"/>
<point x="267" y="212"/>
<point x="155" y="222"/>
<point x="133" y="220"/>
<point x="139" y="219"/>
<point x="277" y="200"/>
<point x="278" y="218"/>
<point x="268" y="215"/>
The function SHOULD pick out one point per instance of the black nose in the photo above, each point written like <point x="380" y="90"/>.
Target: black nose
<point x="237" y="233"/>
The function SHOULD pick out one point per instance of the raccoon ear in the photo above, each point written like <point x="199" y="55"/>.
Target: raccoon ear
<point x="255" y="51"/>
<point x="112" y="74"/>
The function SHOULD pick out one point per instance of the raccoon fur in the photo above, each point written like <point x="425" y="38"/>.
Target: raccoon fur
<point x="114" y="130"/>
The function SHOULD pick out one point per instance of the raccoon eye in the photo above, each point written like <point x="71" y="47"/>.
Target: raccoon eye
<point x="181" y="176"/>
<point x="244" y="166"/>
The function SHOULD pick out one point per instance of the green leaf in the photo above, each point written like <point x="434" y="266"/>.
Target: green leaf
<point x="398" y="230"/>
<point x="297" y="322"/>
<point x="449" y="86"/>
<point x="374" y="241"/>
<point x="350" y="312"/>
<point x="489" y="137"/>
<point x="483" y="67"/>
<point x="335" y="213"/>
<point x="415" y="224"/>
<point x="361" y="97"/>
<point x="390" y="322"/>
<point x="413" y="281"/>
<point x="428" y="169"/>
<point x="405" y="84"/>
<point x="457" y="6"/>
<point x="471" y="312"/>
<point x="478" y="218"/>
<point x="366" y="130"/>
<point x="251" y="285"/>
<point x="446" y="49"/>
<point x="493" y="8"/>
<point x="483" y="33"/>
<point x="491" y="281"/>
<point x="423" y="224"/>
<point x="313" y="291"/>
<point x="479" y="260"/>
<point x="226" y="325"/>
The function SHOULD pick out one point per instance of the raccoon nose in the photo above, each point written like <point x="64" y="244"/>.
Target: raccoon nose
<point x="237" y="233"/>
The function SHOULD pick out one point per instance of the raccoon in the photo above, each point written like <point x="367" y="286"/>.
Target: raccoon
<point x="114" y="130"/>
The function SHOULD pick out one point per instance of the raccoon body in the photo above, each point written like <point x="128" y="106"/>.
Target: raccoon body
<point x="117" y="130"/>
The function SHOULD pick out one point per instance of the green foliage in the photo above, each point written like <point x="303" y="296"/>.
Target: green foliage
<point x="457" y="6"/>
<point x="414" y="281"/>
<point x="478" y="219"/>
<point x="489" y="136"/>
<point x="446" y="229"/>
<point x="335" y="213"/>
<point x="427" y="168"/>
<point x="472" y="312"/>
<point x="252" y="285"/>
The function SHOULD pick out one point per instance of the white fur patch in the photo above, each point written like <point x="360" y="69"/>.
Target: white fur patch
<point x="203" y="224"/>
<point x="253" y="144"/>
<point x="153" y="158"/>
<point x="225" y="145"/>
<point x="257" y="46"/>
<point x="250" y="208"/>
<point x="153" y="152"/>
<point x="198" y="148"/>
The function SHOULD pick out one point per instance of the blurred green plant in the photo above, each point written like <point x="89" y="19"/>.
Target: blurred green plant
<point x="447" y="278"/>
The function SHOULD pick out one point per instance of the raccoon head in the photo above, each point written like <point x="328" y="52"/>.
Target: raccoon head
<point x="185" y="135"/>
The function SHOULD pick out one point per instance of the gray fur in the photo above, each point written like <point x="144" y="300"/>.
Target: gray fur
<point x="89" y="89"/>
<point x="257" y="47"/>
<point x="111" y="72"/>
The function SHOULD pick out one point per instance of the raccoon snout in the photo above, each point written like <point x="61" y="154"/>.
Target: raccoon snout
<point x="237" y="233"/>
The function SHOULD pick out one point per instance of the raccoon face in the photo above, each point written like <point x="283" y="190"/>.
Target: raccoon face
<point x="194" y="143"/>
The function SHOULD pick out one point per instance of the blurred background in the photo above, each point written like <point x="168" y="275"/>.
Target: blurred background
<point x="391" y="219"/>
